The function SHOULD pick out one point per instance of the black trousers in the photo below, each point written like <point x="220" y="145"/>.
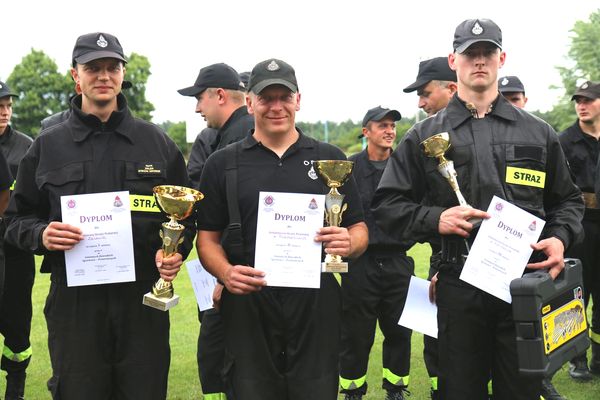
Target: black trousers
<point x="375" y="289"/>
<point x="105" y="344"/>
<point x="211" y="352"/>
<point x="16" y="309"/>
<point x="589" y="253"/>
<point x="283" y="343"/>
<point x="430" y="344"/>
<point x="477" y="340"/>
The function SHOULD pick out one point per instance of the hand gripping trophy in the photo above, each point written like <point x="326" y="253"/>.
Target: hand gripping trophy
<point x="178" y="203"/>
<point x="436" y="146"/>
<point x="334" y="173"/>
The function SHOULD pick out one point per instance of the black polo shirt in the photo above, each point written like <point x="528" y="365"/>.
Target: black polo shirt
<point x="260" y="169"/>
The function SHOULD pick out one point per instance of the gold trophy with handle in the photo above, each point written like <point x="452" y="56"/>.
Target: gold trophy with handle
<point x="178" y="203"/>
<point x="334" y="173"/>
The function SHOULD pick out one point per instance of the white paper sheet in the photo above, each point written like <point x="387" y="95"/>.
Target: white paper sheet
<point x="105" y="255"/>
<point x="202" y="282"/>
<point x="502" y="248"/>
<point x="419" y="313"/>
<point x="285" y="247"/>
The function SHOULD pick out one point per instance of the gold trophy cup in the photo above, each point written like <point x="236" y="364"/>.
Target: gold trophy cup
<point x="178" y="203"/>
<point x="436" y="146"/>
<point x="334" y="173"/>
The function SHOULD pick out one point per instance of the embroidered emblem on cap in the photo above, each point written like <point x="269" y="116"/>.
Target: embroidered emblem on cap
<point x="477" y="29"/>
<point x="504" y="82"/>
<point x="584" y="86"/>
<point x="0" y="86"/>
<point x="102" y="42"/>
<point x="273" y="66"/>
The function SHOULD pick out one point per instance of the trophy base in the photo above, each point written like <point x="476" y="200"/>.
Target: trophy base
<point x="334" y="267"/>
<point x="160" y="303"/>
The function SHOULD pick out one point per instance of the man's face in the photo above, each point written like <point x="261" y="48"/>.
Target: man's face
<point x="99" y="80"/>
<point x="517" y="99"/>
<point x="5" y="113"/>
<point x="274" y="109"/>
<point x="208" y="107"/>
<point x="434" y="96"/>
<point x="381" y="134"/>
<point x="588" y="110"/>
<point x="477" y="67"/>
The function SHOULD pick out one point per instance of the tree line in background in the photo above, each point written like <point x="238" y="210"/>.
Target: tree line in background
<point x="43" y="91"/>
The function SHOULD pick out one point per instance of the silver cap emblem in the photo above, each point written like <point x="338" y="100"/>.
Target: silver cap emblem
<point x="504" y="82"/>
<point x="102" y="42"/>
<point x="477" y="29"/>
<point x="584" y="86"/>
<point x="273" y="66"/>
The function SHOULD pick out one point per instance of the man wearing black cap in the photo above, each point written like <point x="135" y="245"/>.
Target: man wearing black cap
<point x="488" y="136"/>
<point x="103" y="342"/>
<point x="281" y="342"/>
<point x="15" y="309"/>
<point x="580" y="144"/>
<point x="513" y="90"/>
<point x="435" y="85"/>
<point x="220" y="95"/>
<point x="376" y="285"/>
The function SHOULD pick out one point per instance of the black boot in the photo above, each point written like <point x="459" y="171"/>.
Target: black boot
<point x="578" y="368"/>
<point x="549" y="392"/>
<point x="15" y="386"/>
<point x="595" y="363"/>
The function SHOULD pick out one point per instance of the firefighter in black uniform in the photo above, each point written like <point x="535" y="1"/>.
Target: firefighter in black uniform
<point x="221" y="101"/>
<point x="580" y="143"/>
<point x="280" y="343"/>
<point x="489" y="139"/>
<point x="16" y="310"/>
<point x="376" y="285"/>
<point x="103" y="342"/>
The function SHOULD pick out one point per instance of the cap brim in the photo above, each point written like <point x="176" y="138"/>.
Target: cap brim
<point x="508" y="89"/>
<point x="416" y="85"/>
<point x="467" y="44"/>
<point x="587" y="95"/>
<point x="259" y="87"/>
<point x="95" y="55"/>
<point x="192" y="91"/>
<point x="3" y="95"/>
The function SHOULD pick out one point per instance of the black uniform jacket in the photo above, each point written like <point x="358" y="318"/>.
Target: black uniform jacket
<point x="509" y="153"/>
<point x="367" y="178"/>
<point x="14" y="145"/>
<point x="210" y="140"/>
<point x="83" y="155"/>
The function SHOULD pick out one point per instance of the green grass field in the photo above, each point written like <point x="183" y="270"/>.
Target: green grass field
<point x="183" y="378"/>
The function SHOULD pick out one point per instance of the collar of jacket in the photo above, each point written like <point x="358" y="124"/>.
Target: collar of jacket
<point x="458" y="112"/>
<point x="7" y="134"/>
<point x="120" y="121"/>
<point x="302" y="142"/>
<point x="237" y="114"/>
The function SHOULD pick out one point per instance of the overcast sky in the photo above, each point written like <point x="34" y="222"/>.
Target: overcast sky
<point x="349" y="56"/>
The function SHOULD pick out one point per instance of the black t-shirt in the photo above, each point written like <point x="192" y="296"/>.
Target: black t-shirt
<point x="260" y="169"/>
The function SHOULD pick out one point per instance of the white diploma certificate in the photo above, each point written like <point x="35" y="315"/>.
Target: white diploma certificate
<point x="202" y="282"/>
<point x="105" y="255"/>
<point x="502" y="248"/>
<point x="285" y="248"/>
<point x="419" y="313"/>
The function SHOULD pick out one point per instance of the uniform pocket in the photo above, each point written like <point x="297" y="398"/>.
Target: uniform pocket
<point x="525" y="176"/>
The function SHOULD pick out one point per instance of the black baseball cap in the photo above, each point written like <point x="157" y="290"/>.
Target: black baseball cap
<point x="5" y="91"/>
<point x="472" y="31"/>
<point x="378" y="113"/>
<point x="435" y="69"/>
<point x="245" y="77"/>
<point x="589" y="89"/>
<point x="218" y="75"/>
<point x="510" y="84"/>
<point x="93" y="46"/>
<point x="272" y="72"/>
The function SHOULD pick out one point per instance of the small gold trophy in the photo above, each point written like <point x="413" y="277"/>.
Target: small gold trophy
<point x="178" y="203"/>
<point x="436" y="146"/>
<point x="335" y="173"/>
